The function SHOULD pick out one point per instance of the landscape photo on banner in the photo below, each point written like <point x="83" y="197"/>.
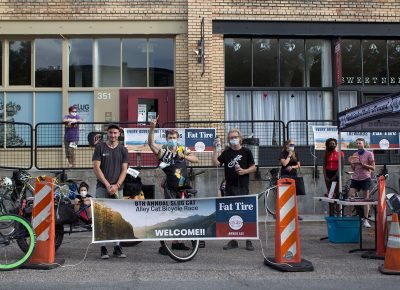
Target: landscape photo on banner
<point x="197" y="139"/>
<point x="374" y="140"/>
<point x="168" y="219"/>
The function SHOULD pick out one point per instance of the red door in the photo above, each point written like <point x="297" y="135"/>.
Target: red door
<point x="140" y="105"/>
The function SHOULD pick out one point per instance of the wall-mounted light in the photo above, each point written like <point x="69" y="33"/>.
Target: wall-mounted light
<point x="199" y="51"/>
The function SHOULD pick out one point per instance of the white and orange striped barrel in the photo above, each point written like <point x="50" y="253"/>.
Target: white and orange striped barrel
<point x="287" y="242"/>
<point x="43" y="221"/>
<point x="381" y="226"/>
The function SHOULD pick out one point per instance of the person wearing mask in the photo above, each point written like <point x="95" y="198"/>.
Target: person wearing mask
<point x="82" y="202"/>
<point x="71" y="136"/>
<point x="173" y="158"/>
<point x="238" y="163"/>
<point x="110" y="164"/>
<point x="363" y="163"/>
<point x="289" y="161"/>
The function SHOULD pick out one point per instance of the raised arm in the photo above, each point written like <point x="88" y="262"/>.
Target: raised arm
<point x="153" y="146"/>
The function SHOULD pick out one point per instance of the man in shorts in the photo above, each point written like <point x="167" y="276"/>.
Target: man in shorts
<point x="363" y="163"/>
<point x="71" y="136"/>
<point x="110" y="164"/>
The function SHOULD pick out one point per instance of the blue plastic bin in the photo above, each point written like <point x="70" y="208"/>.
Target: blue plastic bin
<point x="343" y="229"/>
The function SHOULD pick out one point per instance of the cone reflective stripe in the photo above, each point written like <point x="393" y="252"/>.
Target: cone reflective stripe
<point x="381" y="218"/>
<point x="287" y="242"/>
<point x="392" y="258"/>
<point x="43" y="222"/>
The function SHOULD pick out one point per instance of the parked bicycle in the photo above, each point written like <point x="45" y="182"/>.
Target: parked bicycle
<point x="12" y="229"/>
<point x="270" y="193"/>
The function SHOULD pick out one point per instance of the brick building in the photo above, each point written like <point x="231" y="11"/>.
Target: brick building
<point x="263" y="60"/>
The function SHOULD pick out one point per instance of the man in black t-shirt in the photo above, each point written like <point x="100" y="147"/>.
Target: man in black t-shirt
<point x="110" y="164"/>
<point x="238" y="162"/>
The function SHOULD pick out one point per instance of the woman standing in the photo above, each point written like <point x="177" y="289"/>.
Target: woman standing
<point x="331" y="164"/>
<point x="289" y="161"/>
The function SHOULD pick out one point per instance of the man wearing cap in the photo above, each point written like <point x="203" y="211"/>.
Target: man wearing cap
<point x="110" y="164"/>
<point x="71" y="136"/>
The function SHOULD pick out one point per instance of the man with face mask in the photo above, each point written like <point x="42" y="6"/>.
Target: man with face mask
<point x="363" y="163"/>
<point x="71" y="136"/>
<point x="172" y="157"/>
<point x="238" y="162"/>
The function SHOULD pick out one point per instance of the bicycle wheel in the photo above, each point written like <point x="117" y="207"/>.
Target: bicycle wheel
<point x="181" y="251"/>
<point x="11" y="256"/>
<point x="270" y="200"/>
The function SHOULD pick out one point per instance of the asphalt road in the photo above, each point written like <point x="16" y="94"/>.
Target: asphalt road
<point x="212" y="268"/>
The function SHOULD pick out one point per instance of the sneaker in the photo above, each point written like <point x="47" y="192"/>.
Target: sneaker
<point x="231" y="245"/>
<point x="104" y="253"/>
<point x="179" y="246"/>
<point x="299" y="218"/>
<point x="249" y="246"/>
<point x="162" y="251"/>
<point x="366" y="223"/>
<point x="118" y="252"/>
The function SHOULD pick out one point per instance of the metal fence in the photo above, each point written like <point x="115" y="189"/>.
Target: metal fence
<point x="16" y="145"/>
<point x="21" y="146"/>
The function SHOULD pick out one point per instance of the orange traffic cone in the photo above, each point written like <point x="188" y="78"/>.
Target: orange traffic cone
<point x="391" y="265"/>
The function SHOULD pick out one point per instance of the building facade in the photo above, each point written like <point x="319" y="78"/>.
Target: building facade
<point x="195" y="59"/>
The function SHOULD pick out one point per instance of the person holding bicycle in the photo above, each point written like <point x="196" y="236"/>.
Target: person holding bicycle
<point x="172" y="157"/>
<point x="71" y="136"/>
<point x="110" y="164"/>
<point x="238" y="163"/>
<point x="363" y="163"/>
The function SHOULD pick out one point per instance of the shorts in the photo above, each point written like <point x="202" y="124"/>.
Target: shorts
<point x="236" y="190"/>
<point x="69" y="151"/>
<point x="361" y="184"/>
<point x="331" y="173"/>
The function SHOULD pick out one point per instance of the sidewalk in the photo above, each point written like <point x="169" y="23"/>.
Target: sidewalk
<point x="307" y="218"/>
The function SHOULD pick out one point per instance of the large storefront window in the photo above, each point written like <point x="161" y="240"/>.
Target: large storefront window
<point x="269" y="62"/>
<point x="374" y="62"/>
<point x="80" y="62"/>
<point x="108" y="56"/>
<point x="20" y="63"/>
<point x="347" y="100"/>
<point x="394" y="62"/>
<point x="238" y="62"/>
<point x="1" y="63"/>
<point x="161" y="62"/>
<point x="48" y="63"/>
<point x="134" y="62"/>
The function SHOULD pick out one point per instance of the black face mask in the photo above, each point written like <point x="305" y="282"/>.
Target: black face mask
<point x="331" y="147"/>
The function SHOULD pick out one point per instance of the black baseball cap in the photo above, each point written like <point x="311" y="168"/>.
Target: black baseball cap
<point x="113" y="126"/>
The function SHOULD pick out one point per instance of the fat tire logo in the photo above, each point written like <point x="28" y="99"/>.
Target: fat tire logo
<point x="235" y="222"/>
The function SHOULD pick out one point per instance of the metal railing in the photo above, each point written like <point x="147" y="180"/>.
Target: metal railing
<point x="22" y="147"/>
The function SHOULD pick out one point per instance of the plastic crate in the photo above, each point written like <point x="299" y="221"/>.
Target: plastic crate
<point x="343" y="229"/>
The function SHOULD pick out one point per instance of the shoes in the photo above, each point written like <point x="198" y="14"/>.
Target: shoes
<point x="299" y="218"/>
<point x="249" y="246"/>
<point x="118" y="252"/>
<point x="231" y="245"/>
<point x="366" y="223"/>
<point x="180" y="246"/>
<point x="104" y="253"/>
<point x="162" y="251"/>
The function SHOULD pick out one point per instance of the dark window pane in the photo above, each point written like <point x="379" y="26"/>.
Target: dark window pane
<point x="108" y="62"/>
<point x="81" y="63"/>
<point x="48" y="63"/>
<point x="1" y="63"/>
<point x="318" y="63"/>
<point x="20" y="63"/>
<point x="292" y="62"/>
<point x="394" y="62"/>
<point x="374" y="62"/>
<point x="351" y="62"/>
<point x="265" y="63"/>
<point x="237" y="62"/>
<point x="161" y="62"/>
<point x="134" y="62"/>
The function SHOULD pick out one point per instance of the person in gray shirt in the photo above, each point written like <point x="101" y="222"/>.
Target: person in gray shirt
<point x="110" y="164"/>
